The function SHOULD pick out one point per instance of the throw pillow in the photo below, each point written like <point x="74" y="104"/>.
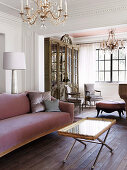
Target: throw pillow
<point x="52" y="106"/>
<point x="37" y="100"/>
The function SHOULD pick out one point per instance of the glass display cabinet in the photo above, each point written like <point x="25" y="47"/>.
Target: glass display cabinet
<point x="61" y="67"/>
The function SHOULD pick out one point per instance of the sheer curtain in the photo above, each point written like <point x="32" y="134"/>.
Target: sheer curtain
<point x="87" y="64"/>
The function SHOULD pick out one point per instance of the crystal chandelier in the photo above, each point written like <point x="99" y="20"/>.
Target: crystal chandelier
<point x="111" y="44"/>
<point x="43" y="10"/>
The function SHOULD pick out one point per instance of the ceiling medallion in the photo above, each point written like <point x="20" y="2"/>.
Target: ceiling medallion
<point x="43" y="10"/>
<point x="111" y="43"/>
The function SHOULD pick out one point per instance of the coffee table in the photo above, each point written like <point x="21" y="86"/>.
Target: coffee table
<point x="88" y="130"/>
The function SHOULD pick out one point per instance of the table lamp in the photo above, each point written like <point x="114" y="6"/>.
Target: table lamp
<point x="14" y="61"/>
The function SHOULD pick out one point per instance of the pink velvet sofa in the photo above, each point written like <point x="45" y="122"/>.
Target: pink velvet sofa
<point x="18" y="126"/>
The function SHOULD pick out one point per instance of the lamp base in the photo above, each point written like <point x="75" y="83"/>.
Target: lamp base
<point x="14" y="89"/>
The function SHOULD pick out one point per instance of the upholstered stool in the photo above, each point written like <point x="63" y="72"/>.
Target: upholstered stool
<point x="110" y="106"/>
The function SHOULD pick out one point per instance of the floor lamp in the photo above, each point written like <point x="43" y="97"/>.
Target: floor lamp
<point x="14" y="61"/>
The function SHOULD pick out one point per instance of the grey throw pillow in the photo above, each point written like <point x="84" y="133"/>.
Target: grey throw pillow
<point x="37" y="100"/>
<point x="52" y="106"/>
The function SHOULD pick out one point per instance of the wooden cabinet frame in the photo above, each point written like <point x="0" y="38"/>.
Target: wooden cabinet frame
<point x="62" y="49"/>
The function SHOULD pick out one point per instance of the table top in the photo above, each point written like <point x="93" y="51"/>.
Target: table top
<point x="88" y="128"/>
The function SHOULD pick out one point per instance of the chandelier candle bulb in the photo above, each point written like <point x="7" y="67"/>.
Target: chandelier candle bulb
<point x="60" y="4"/>
<point x="65" y="7"/>
<point x="27" y="2"/>
<point x="21" y="5"/>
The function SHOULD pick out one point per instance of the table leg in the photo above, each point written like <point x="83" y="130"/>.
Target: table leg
<point x="69" y="151"/>
<point x="103" y="143"/>
<point x="81" y="142"/>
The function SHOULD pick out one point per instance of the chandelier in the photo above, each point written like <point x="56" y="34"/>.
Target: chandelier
<point x="111" y="44"/>
<point x="42" y="10"/>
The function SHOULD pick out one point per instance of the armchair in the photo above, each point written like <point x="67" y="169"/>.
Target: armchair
<point x="90" y="94"/>
<point x="73" y="97"/>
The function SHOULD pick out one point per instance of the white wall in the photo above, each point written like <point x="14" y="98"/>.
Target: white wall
<point x="33" y="46"/>
<point x="41" y="63"/>
<point x="20" y="38"/>
<point x="11" y="28"/>
<point x="109" y="90"/>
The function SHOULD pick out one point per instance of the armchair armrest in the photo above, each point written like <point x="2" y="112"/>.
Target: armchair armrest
<point x="67" y="107"/>
<point x="98" y="91"/>
<point x="74" y="94"/>
<point x="87" y="93"/>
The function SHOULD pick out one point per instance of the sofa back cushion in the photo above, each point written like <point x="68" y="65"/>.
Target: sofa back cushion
<point x="13" y="105"/>
<point x="37" y="100"/>
<point x="52" y="106"/>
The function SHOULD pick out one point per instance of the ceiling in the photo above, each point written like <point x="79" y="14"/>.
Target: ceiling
<point x="99" y="32"/>
<point x="83" y="15"/>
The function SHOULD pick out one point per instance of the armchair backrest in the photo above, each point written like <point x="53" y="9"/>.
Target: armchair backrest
<point x="90" y="88"/>
<point x="67" y="90"/>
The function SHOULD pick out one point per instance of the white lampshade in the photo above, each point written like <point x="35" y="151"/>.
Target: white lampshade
<point x="14" y="61"/>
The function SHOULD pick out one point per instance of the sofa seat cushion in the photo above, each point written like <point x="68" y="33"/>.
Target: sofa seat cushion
<point x="16" y="130"/>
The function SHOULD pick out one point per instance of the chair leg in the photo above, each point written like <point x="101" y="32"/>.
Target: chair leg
<point x="119" y="113"/>
<point x="80" y="107"/>
<point x="98" y="111"/>
<point x="85" y="102"/>
<point x="122" y="112"/>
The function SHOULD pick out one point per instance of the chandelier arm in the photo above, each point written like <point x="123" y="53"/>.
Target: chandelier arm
<point x="30" y="17"/>
<point x="63" y="19"/>
<point x="28" y="20"/>
<point x="24" y="20"/>
<point x="34" y="21"/>
<point x="53" y="15"/>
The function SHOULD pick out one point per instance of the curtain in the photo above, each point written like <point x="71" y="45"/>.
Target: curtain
<point x="87" y="64"/>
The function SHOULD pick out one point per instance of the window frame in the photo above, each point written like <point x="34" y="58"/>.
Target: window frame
<point x="111" y="66"/>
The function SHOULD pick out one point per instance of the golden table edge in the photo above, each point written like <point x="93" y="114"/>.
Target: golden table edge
<point x="60" y="132"/>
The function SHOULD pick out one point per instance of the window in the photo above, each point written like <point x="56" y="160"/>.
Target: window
<point x="111" y="67"/>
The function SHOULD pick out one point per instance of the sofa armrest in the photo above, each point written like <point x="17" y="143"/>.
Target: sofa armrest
<point x="67" y="107"/>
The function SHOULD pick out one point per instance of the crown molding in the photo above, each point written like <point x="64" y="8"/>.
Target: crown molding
<point x="4" y="17"/>
<point x="100" y="11"/>
<point x="9" y="6"/>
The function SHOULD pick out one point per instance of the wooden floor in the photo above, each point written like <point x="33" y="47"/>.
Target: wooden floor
<point x="48" y="152"/>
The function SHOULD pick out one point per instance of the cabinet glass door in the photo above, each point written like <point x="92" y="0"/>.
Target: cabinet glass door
<point x="61" y="71"/>
<point x="54" y="63"/>
<point x="69" y="65"/>
<point x="75" y="69"/>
